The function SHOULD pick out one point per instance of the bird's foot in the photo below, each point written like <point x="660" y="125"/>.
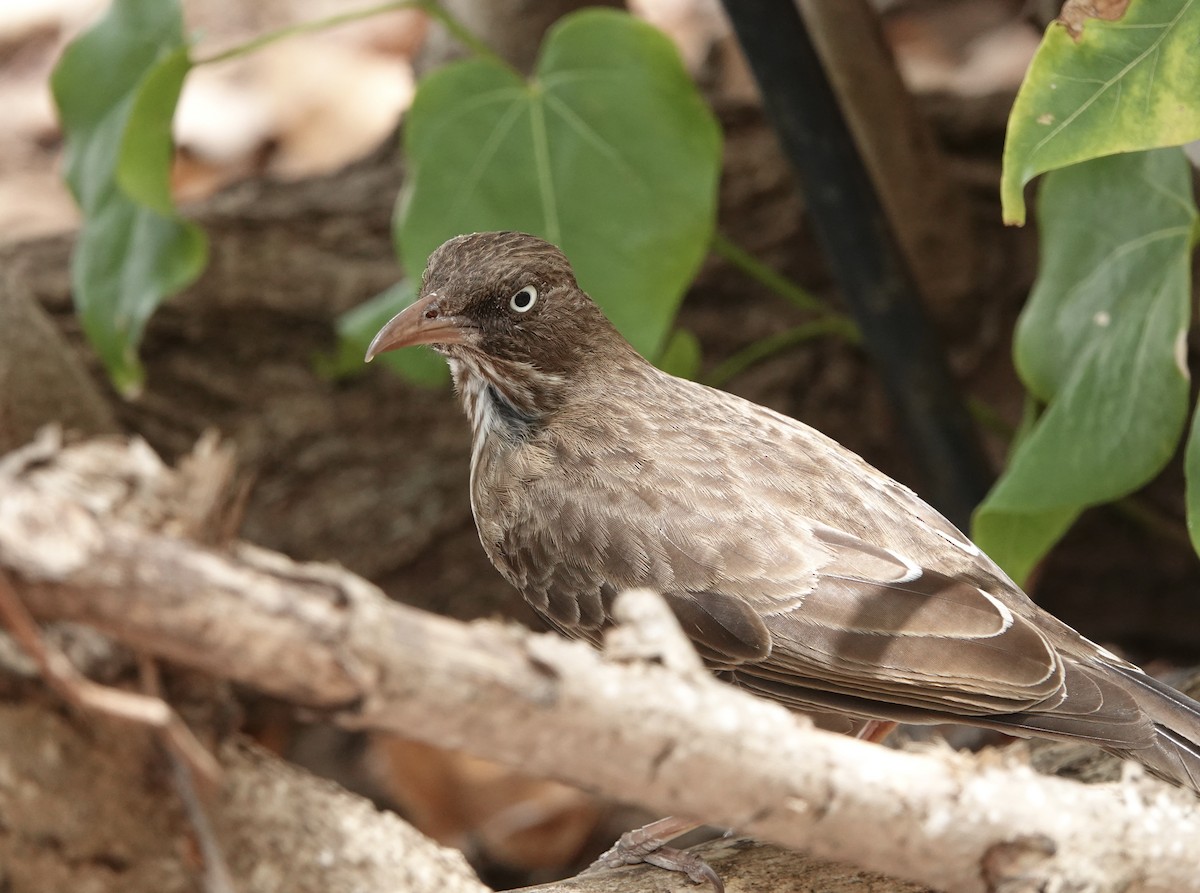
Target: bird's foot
<point x="648" y="844"/>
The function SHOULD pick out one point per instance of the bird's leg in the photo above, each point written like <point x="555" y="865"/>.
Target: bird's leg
<point x="648" y="844"/>
<point x="875" y="730"/>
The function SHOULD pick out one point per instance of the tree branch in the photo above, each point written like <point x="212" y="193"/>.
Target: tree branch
<point x="676" y="742"/>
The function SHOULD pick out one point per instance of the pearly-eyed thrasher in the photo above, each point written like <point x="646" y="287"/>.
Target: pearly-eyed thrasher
<point x="800" y="572"/>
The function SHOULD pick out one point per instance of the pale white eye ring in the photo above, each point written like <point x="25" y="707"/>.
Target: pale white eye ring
<point x="523" y="300"/>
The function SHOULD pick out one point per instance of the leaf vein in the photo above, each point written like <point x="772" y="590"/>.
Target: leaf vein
<point x="545" y="176"/>
<point x="486" y="153"/>
<point x="589" y="135"/>
<point x="1115" y="79"/>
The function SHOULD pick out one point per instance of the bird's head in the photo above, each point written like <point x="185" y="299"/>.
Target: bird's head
<point x="504" y="302"/>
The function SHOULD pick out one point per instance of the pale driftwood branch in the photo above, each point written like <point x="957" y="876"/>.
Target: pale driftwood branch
<point x="676" y="742"/>
<point x="286" y="831"/>
<point x="84" y="814"/>
<point x="99" y="826"/>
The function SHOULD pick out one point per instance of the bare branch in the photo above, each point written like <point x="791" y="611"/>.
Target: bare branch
<point x="640" y="732"/>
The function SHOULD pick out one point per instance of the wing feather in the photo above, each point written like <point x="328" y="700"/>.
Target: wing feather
<point x="792" y="563"/>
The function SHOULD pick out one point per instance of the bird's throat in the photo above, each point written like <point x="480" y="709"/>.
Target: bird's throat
<point x="495" y="411"/>
<point x="515" y="422"/>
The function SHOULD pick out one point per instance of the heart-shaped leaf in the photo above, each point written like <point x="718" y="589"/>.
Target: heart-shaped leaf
<point x="608" y="151"/>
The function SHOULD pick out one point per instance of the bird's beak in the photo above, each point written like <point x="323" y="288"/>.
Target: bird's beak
<point x="419" y="323"/>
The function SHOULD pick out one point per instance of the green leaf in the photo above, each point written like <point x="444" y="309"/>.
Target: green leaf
<point x="681" y="356"/>
<point x="116" y="87"/>
<point x="1116" y="236"/>
<point x="1191" y="471"/>
<point x="1101" y="342"/>
<point x="126" y="259"/>
<point x="147" y="149"/>
<point x="1017" y="541"/>
<point x="1124" y="86"/>
<point x="357" y="327"/>
<point x="608" y="151"/>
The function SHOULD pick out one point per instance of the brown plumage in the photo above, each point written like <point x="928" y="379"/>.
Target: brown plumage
<point x="800" y="572"/>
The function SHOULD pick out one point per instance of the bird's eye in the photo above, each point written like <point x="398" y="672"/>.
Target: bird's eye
<point x="524" y="299"/>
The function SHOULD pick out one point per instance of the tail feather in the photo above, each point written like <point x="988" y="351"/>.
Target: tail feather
<point x="1175" y="753"/>
<point x="1172" y="757"/>
<point x="1167" y="706"/>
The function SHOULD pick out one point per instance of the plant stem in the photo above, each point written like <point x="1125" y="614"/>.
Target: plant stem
<point x="333" y="21"/>
<point x="988" y="418"/>
<point x="831" y="324"/>
<point x="763" y="274"/>
<point x="431" y="8"/>
<point x="827" y="323"/>
<point x="464" y="35"/>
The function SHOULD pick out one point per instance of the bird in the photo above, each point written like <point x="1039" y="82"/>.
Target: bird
<point x="800" y="572"/>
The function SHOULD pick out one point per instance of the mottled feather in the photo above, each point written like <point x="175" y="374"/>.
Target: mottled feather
<point x="800" y="572"/>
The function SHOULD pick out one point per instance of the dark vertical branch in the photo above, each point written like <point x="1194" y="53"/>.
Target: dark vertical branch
<point x="848" y="218"/>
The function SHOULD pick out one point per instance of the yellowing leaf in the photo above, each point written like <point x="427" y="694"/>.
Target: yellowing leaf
<point x="1124" y="86"/>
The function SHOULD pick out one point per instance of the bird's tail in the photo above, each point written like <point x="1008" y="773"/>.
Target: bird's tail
<point x="1175" y="752"/>
<point x="1172" y="757"/>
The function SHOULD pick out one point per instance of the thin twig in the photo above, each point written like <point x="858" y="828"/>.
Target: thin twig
<point x="75" y="688"/>
<point x="430" y="7"/>
<point x="763" y="274"/>
<point x="217" y="878"/>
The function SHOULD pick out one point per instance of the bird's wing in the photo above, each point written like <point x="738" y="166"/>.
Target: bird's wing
<point x="930" y="647"/>
<point x="809" y="575"/>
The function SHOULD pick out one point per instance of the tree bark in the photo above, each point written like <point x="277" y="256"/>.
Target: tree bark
<point x="41" y="381"/>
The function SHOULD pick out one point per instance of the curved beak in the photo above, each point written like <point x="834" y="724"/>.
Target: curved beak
<point x="419" y="323"/>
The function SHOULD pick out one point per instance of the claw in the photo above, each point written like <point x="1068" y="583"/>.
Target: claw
<point x="696" y="869"/>
<point x="648" y="844"/>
